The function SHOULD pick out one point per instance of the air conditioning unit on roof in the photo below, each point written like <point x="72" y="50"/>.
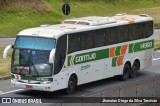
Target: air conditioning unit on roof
<point x="92" y="20"/>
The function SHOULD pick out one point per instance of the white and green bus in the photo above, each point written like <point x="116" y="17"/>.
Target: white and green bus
<point x="81" y="50"/>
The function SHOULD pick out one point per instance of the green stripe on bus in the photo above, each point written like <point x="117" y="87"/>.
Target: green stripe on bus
<point x="118" y="49"/>
<point x="135" y="47"/>
<point x="114" y="61"/>
<point x="89" y="56"/>
<point x="69" y="59"/>
<point x="131" y="48"/>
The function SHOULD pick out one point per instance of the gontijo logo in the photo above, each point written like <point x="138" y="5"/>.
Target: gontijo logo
<point x="85" y="57"/>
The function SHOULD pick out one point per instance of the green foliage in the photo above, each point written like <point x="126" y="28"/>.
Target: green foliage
<point x="16" y="15"/>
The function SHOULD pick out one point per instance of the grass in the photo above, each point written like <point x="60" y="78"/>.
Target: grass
<point x="22" y="15"/>
<point x="5" y="64"/>
<point x="157" y="43"/>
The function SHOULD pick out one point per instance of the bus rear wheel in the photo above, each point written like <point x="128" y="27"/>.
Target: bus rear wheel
<point x="71" y="85"/>
<point x="126" y="72"/>
<point x="135" y="68"/>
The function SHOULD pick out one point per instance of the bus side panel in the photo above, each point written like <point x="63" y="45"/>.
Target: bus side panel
<point x="59" y="80"/>
<point x="109" y="70"/>
<point x="148" y="54"/>
<point x="90" y="71"/>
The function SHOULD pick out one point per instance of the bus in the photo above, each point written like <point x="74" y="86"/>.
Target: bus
<point x="81" y="50"/>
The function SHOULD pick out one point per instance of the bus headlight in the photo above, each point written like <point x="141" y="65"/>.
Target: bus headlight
<point x="46" y="82"/>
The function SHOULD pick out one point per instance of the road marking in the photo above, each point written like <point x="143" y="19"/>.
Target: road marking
<point x="157" y="51"/>
<point x="156" y="59"/>
<point x="11" y="91"/>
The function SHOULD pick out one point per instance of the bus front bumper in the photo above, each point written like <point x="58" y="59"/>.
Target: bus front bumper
<point x="40" y="87"/>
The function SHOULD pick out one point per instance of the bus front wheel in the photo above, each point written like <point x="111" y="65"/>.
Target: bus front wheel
<point x="71" y="85"/>
<point x="126" y="72"/>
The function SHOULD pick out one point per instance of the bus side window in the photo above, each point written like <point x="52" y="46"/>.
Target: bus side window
<point x="149" y="28"/>
<point x="74" y="43"/>
<point x="143" y="32"/>
<point x="98" y="38"/>
<point x="83" y="41"/>
<point x="132" y="32"/>
<point x="107" y="35"/>
<point x="60" y="54"/>
<point x="113" y="36"/>
<point x="122" y="33"/>
<point x="89" y="40"/>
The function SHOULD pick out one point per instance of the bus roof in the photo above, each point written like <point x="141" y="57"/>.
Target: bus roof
<point x="83" y="24"/>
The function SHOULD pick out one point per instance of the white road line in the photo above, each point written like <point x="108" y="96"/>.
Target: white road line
<point x="11" y="91"/>
<point x="156" y="59"/>
<point x="157" y="51"/>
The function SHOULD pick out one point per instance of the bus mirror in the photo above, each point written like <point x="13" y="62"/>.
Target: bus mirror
<point x="5" y="52"/>
<point x="51" y="56"/>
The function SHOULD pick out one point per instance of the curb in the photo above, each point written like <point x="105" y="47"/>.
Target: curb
<point x="5" y="78"/>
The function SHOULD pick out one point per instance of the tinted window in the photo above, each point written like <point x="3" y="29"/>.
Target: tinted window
<point x="89" y="40"/>
<point x="99" y="38"/>
<point x="60" y="54"/>
<point x="149" y="28"/>
<point x="113" y="35"/>
<point x="143" y="30"/>
<point x="107" y="35"/>
<point x="83" y="41"/>
<point x="134" y="31"/>
<point x="74" y="43"/>
<point x="122" y="33"/>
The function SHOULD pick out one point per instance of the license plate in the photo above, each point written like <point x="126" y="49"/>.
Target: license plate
<point x="28" y="86"/>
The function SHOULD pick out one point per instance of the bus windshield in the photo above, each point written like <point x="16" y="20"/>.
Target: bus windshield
<point x="35" y="43"/>
<point x="31" y="62"/>
<point x="31" y="56"/>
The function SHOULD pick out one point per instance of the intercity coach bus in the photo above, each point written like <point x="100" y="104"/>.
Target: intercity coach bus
<point x="81" y="50"/>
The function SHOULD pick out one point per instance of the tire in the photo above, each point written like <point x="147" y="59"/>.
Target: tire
<point x="126" y="72"/>
<point x="135" y="68"/>
<point x="71" y="85"/>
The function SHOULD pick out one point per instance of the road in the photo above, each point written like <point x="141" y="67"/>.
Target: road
<point x="7" y="91"/>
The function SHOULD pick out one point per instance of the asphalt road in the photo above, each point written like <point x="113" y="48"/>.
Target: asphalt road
<point x="7" y="91"/>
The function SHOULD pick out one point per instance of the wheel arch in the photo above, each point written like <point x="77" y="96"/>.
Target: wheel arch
<point x="128" y="62"/>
